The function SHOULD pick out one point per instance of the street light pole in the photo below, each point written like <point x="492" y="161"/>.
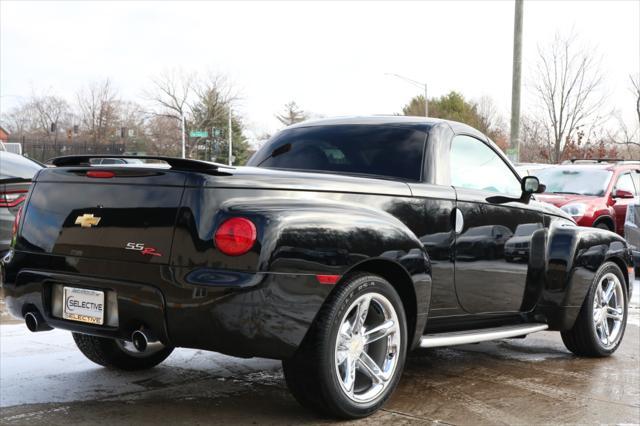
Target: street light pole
<point x="183" y="136"/>
<point x="230" y="136"/>
<point x="514" y="142"/>
<point x="417" y="84"/>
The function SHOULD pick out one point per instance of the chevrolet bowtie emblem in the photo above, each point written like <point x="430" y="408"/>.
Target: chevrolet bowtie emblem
<point x="87" y="220"/>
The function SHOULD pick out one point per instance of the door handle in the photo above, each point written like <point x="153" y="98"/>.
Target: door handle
<point x="459" y="224"/>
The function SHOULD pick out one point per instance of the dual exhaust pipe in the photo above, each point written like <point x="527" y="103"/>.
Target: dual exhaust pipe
<point x="34" y="322"/>
<point x="142" y="339"/>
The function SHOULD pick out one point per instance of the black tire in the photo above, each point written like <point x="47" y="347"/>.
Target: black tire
<point x="108" y="353"/>
<point x="311" y="373"/>
<point x="583" y="339"/>
<point x="603" y="225"/>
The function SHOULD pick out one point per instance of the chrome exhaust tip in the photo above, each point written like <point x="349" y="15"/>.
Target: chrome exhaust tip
<point x="34" y="322"/>
<point x="140" y="340"/>
<point x="144" y="341"/>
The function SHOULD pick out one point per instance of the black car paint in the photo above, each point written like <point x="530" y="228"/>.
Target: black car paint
<point x="263" y="303"/>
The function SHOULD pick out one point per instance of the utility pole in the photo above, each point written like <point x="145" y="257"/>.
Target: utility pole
<point x="230" y="136"/>
<point x="426" y="101"/>
<point x="514" y="143"/>
<point x="183" y="136"/>
<point x="418" y="84"/>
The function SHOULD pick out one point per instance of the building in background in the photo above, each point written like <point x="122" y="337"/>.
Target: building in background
<point x="4" y="134"/>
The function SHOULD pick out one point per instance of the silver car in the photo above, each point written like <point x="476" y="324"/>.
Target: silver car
<point x="16" y="173"/>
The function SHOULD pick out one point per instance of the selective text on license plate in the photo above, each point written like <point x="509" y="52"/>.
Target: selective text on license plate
<point x="84" y="305"/>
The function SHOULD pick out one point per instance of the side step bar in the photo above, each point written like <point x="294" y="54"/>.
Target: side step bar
<point x="480" y="335"/>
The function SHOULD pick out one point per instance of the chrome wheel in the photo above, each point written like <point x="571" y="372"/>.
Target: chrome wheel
<point x="608" y="310"/>
<point x="367" y="347"/>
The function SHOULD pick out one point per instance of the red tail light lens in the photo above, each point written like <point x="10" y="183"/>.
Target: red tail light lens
<point x="16" y="223"/>
<point x="103" y="174"/>
<point x="12" y="198"/>
<point x="235" y="236"/>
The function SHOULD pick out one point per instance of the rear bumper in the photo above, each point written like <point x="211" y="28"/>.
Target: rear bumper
<point x="264" y="314"/>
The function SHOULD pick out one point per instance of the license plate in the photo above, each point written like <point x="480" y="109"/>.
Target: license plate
<point x="81" y="304"/>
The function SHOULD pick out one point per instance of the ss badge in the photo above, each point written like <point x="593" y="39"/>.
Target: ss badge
<point x="148" y="251"/>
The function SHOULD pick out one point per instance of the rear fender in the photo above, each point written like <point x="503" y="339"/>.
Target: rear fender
<point x="337" y="238"/>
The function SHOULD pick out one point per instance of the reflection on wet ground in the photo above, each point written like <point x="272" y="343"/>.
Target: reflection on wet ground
<point x="44" y="379"/>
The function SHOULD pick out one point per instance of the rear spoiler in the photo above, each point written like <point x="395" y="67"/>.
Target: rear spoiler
<point x="181" y="164"/>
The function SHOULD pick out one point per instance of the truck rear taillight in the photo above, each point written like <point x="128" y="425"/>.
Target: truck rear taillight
<point x="102" y="174"/>
<point x="235" y="236"/>
<point x="16" y="223"/>
<point x="12" y="198"/>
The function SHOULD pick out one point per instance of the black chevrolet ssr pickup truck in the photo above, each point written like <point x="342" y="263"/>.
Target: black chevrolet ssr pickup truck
<point x="342" y="245"/>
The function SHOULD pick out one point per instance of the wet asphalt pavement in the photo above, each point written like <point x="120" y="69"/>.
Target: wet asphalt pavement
<point x="45" y="380"/>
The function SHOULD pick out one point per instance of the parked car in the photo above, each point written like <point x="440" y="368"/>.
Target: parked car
<point x="517" y="247"/>
<point x="113" y="161"/>
<point x="16" y="173"/>
<point x="632" y="231"/>
<point x="594" y="193"/>
<point x="314" y="254"/>
<point x="482" y="242"/>
<point x="530" y="169"/>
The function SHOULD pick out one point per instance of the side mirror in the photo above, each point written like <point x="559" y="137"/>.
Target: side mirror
<point x="621" y="193"/>
<point x="531" y="185"/>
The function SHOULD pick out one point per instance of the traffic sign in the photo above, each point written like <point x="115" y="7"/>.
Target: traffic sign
<point x="198" y="134"/>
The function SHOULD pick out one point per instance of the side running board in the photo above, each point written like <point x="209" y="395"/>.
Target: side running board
<point x="480" y="335"/>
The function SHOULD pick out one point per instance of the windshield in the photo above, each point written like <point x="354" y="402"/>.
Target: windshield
<point x="390" y="151"/>
<point x="573" y="180"/>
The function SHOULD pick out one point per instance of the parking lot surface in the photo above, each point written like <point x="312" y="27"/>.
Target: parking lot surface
<point x="44" y="379"/>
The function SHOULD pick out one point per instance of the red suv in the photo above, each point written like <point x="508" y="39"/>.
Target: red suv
<point x="594" y="192"/>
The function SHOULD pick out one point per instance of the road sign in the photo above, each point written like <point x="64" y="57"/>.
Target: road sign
<point x="198" y="134"/>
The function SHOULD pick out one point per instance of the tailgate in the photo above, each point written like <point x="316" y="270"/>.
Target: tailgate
<point x="129" y="216"/>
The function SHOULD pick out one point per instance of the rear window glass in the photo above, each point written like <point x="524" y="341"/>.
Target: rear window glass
<point x="16" y="166"/>
<point x="389" y="151"/>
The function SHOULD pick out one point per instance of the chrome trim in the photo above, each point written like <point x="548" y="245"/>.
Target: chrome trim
<point x="480" y="335"/>
<point x="459" y="225"/>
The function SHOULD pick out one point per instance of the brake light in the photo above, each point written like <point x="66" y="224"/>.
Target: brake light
<point x="235" y="236"/>
<point x="16" y="223"/>
<point x="103" y="174"/>
<point x="12" y="198"/>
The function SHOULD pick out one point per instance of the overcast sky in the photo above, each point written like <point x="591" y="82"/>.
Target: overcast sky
<point x="330" y="57"/>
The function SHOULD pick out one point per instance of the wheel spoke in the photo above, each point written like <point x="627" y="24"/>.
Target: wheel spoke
<point x="378" y="332"/>
<point x="609" y="291"/>
<point x="361" y="314"/>
<point x="605" y="329"/>
<point x="349" y="375"/>
<point x="600" y="294"/>
<point x="371" y="369"/>
<point x="614" y="313"/>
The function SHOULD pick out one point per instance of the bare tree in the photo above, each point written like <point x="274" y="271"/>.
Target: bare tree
<point x="628" y="135"/>
<point x="99" y="113"/>
<point x="51" y="113"/>
<point x="40" y="116"/>
<point x="567" y="83"/>
<point x="171" y="94"/>
<point x="292" y="114"/>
